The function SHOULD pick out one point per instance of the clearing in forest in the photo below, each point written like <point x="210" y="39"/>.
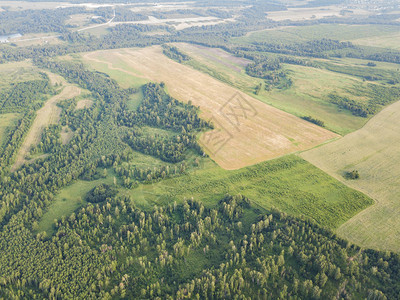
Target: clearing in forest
<point x="307" y="96"/>
<point x="374" y="152"/>
<point x="84" y="103"/>
<point x="246" y="132"/>
<point x="288" y="183"/>
<point x="6" y="121"/>
<point x="48" y="114"/>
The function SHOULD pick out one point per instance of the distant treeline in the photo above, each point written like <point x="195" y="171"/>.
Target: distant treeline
<point x="175" y="54"/>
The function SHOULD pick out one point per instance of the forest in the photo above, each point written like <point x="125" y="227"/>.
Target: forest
<point x="131" y="140"/>
<point x="190" y="251"/>
<point x="177" y="251"/>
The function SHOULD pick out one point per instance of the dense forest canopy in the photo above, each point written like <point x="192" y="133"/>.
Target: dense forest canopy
<point x="112" y="246"/>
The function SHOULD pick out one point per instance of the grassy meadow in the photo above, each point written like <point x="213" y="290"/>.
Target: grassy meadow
<point x="264" y="133"/>
<point x="373" y="152"/>
<point x="288" y="183"/>
<point x="17" y="72"/>
<point x="70" y="199"/>
<point x="7" y="121"/>
<point x="308" y="95"/>
<point x="293" y="34"/>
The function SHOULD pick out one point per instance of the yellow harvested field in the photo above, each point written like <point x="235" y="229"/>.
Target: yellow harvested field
<point x="374" y="152"/>
<point x="47" y="115"/>
<point x="246" y="132"/>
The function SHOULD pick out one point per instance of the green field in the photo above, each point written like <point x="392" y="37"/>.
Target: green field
<point x="373" y="152"/>
<point x="15" y="72"/>
<point x="289" y="184"/>
<point x="73" y="196"/>
<point x="68" y="200"/>
<point x="311" y="85"/>
<point x="6" y="121"/>
<point x="292" y="34"/>
<point x="125" y="79"/>
<point x="307" y="96"/>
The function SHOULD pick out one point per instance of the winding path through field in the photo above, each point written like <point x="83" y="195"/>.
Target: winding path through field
<point x="48" y="114"/>
<point x="374" y="151"/>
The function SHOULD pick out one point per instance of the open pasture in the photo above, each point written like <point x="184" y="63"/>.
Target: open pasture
<point x="307" y="13"/>
<point x="17" y="72"/>
<point x="293" y="34"/>
<point x="68" y="200"/>
<point x="374" y="152"/>
<point x="220" y="65"/>
<point x="391" y="41"/>
<point x="307" y="95"/>
<point x="289" y="183"/>
<point x="246" y="132"/>
<point x="6" y="121"/>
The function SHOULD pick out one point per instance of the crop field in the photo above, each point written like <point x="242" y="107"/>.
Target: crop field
<point x="220" y="65"/>
<point x="288" y="183"/>
<point x="307" y="95"/>
<point x="45" y="116"/>
<point x="179" y="23"/>
<point x="215" y="55"/>
<point x="297" y="14"/>
<point x="292" y="34"/>
<point x="374" y="152"/>
<point x="246" y="132"/>
<point x="115" y="66"/>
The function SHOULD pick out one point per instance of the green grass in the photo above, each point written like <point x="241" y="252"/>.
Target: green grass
<point x="289" y="184"/>
<point x="307" y="96"/>
<point x="125" y="79"/>
<point x="68" y="200"/>
<point x="17" y="72"/>
<point x="304" y="33"/>
<point x="6" y="121"/>
<point x="135" y="100"/>
<point x="72" y="197"/>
